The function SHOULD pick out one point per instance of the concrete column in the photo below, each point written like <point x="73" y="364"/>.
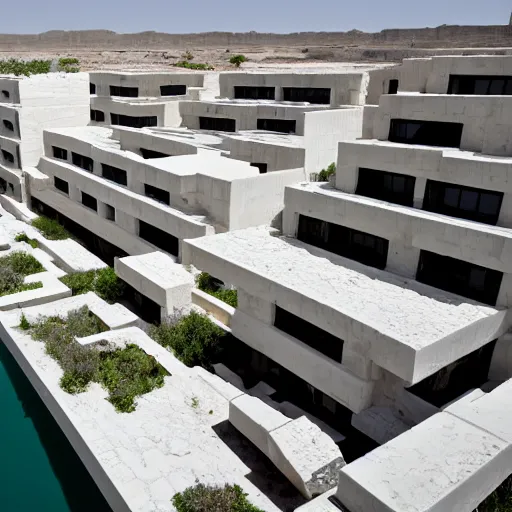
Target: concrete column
<point x="357" y="364"/>
<point x="279" y="93"/>
<point x="346" y="176"/>
<point x="75" y="194"/>
<point x="419" y="192"/>
<point x="402" y="259"/>
<point x="127" y="222"/>
<point x="505" y="217"/>
<point x="505" y="294"/>
<point x="289" y="222"/>
<point x="501" y="362"/>
<point x="260" y="309"/>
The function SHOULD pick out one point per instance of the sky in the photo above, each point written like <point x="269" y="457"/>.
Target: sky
<point x="282" y="16"/>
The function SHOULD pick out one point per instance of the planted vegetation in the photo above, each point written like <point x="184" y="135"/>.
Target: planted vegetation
<point x="14" y="268"/>
<point x="325" y="174"/>
<point x="194" y="339"/>
<point x="104" y="282"/>
<point x="207" y="498"/>
<point x="69" y="64"/>
<point x="237" y="60"/>
<point x="50" y="228"/>
<point x="193" y="65"/>
<point x="23" y="237"/>
<point x="210" y="285"/>
<point x="26" y="68"/>
<point x="125" y="373"/>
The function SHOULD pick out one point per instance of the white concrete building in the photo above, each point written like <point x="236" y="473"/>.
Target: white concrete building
<point x="141" y="99"/>
<point x="28" y="105"/>
<point x="387" y="294"/>
<point x="138" y="191"/>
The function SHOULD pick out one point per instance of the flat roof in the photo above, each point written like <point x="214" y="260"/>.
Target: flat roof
<point x="271" y="138"/>
<point x="260" y="103"/>
<point x="415" y="314"/>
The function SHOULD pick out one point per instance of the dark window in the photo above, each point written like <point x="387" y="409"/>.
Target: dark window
<point x="310" y="334"/>
<point x="133" y="122"/>
<point x="11" y="187"/>
<point x="173" y="90"/>
<point x="428" y="133"/>
<point x="59" y="153"/>
<point x="126" y="92"/>
<point x="393" y="87"/>
<point x="6" y="94"/>
<point x="162" y="196"/>
<point x="337" y="503"/>
<point x="481" y="85"/>
<point x="149" y="153"/>
<point x="110" y="212"/>
<point x="92" y="88"/>
<point x="159" y="238"/>
<point x="244" y="92"/>
<point x="318" y="95"/>
<point x="463" y="202"/>
<point x="262" y="167"/>
<point x="89" y="201"/>
<point x="387" y="186"/>
<point x="3" y="186"/>
<point x="8" y="125"/>
<point x="98" y="116"/>
<point x="460" y="277"/>
<point x="114" y="174"/>
<point x="82" y="161"/>
<point x="277" y="125"/>
<point x="220" y="124"/>
<point x="368" y="249"/>
<point x="452" y="381"/>
<point x="61" y="185"/>
<point x="8" y="157"/>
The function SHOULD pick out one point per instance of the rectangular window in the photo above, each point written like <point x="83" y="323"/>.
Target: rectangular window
<point x="89" y="201"/>
<point x="480" y="84"/>
<point x="125" y="92"/>
<point x="393" y="87"/>
<point x="114" y="174"/>
<point x="8" y="157"/>
<point x="92" y="88"/>
<point x="162" y="196"/>
<point x="149" y="153"/>
<point x="277" y="125"/>
<point x="84" y="162"/>
<point x="110" y="212"/>
<point x="368" y="249"/>
<point x="244" y="92"/>
<point x="59" y="153"/>
<point x="219" y="124"/>
<point x="310" y="334"/>
<point x="133" y="122"/>
<point x="386" y="186"/>
<point x="463" y="202"/>
<point x="262" y="167"/>
<point x="317" y="95"/>
<point x="98" y="116"/>
<point x="8" y="125"/>
<point x="173" y="90"/>
<point x="460" y="277"/>
<point x="428" y="133"/>
<point x="159" y="238"/>
<point x="61" y="185"/>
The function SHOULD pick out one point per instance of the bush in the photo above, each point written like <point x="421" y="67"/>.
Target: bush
<point x="325" y="174"/>
<point x="212" y="286"/>
<point x="27" y="68"/>
<point x="124" y="373"/>
<point x="24" y="323"/>
<point x="193" y="65"/>
<point x="21" y="263"/>
<point x="50" y="228"/>
<point x="103" y="282"/>
<point x="203" y="498"/>
<point x="194" y="339"/>
<point x="187" y="56"/>
<point x="237" y="60"/>
<point x="23" y="237"/>
<point x="68" y="61"/>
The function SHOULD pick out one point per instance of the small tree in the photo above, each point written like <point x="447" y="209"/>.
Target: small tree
<point x="325" y="174"/>
<point x="188" y="56"/>
<point x="236" y="60"/>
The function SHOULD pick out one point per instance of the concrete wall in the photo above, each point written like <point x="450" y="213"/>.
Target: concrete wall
<point x="148" y="83"/>
<point x="346" y="88"/>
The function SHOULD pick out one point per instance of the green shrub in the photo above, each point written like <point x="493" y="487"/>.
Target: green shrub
<point x="187" y="56"/>
<point x="325" y="174"/>
<point x="194" y="339"/>
<point x="23" y="237"/>
<point x="124" y="373"/>
<point x="193" y="65"/>
<point x="104" y="282"/>
<point x="23" y="288"/>
<point x="207" y="498"/>
<point x="27" y="68"/>
<point x="212" y="286"/>
<point x="68" y="61"/>
<point x="24" y="323"/>
<point x="21" y="263"/>
<point x="236" y="60"/>
<point x="50" y="228"/>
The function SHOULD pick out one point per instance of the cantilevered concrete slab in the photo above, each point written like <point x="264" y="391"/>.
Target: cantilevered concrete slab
<point x="406" y="327"/>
